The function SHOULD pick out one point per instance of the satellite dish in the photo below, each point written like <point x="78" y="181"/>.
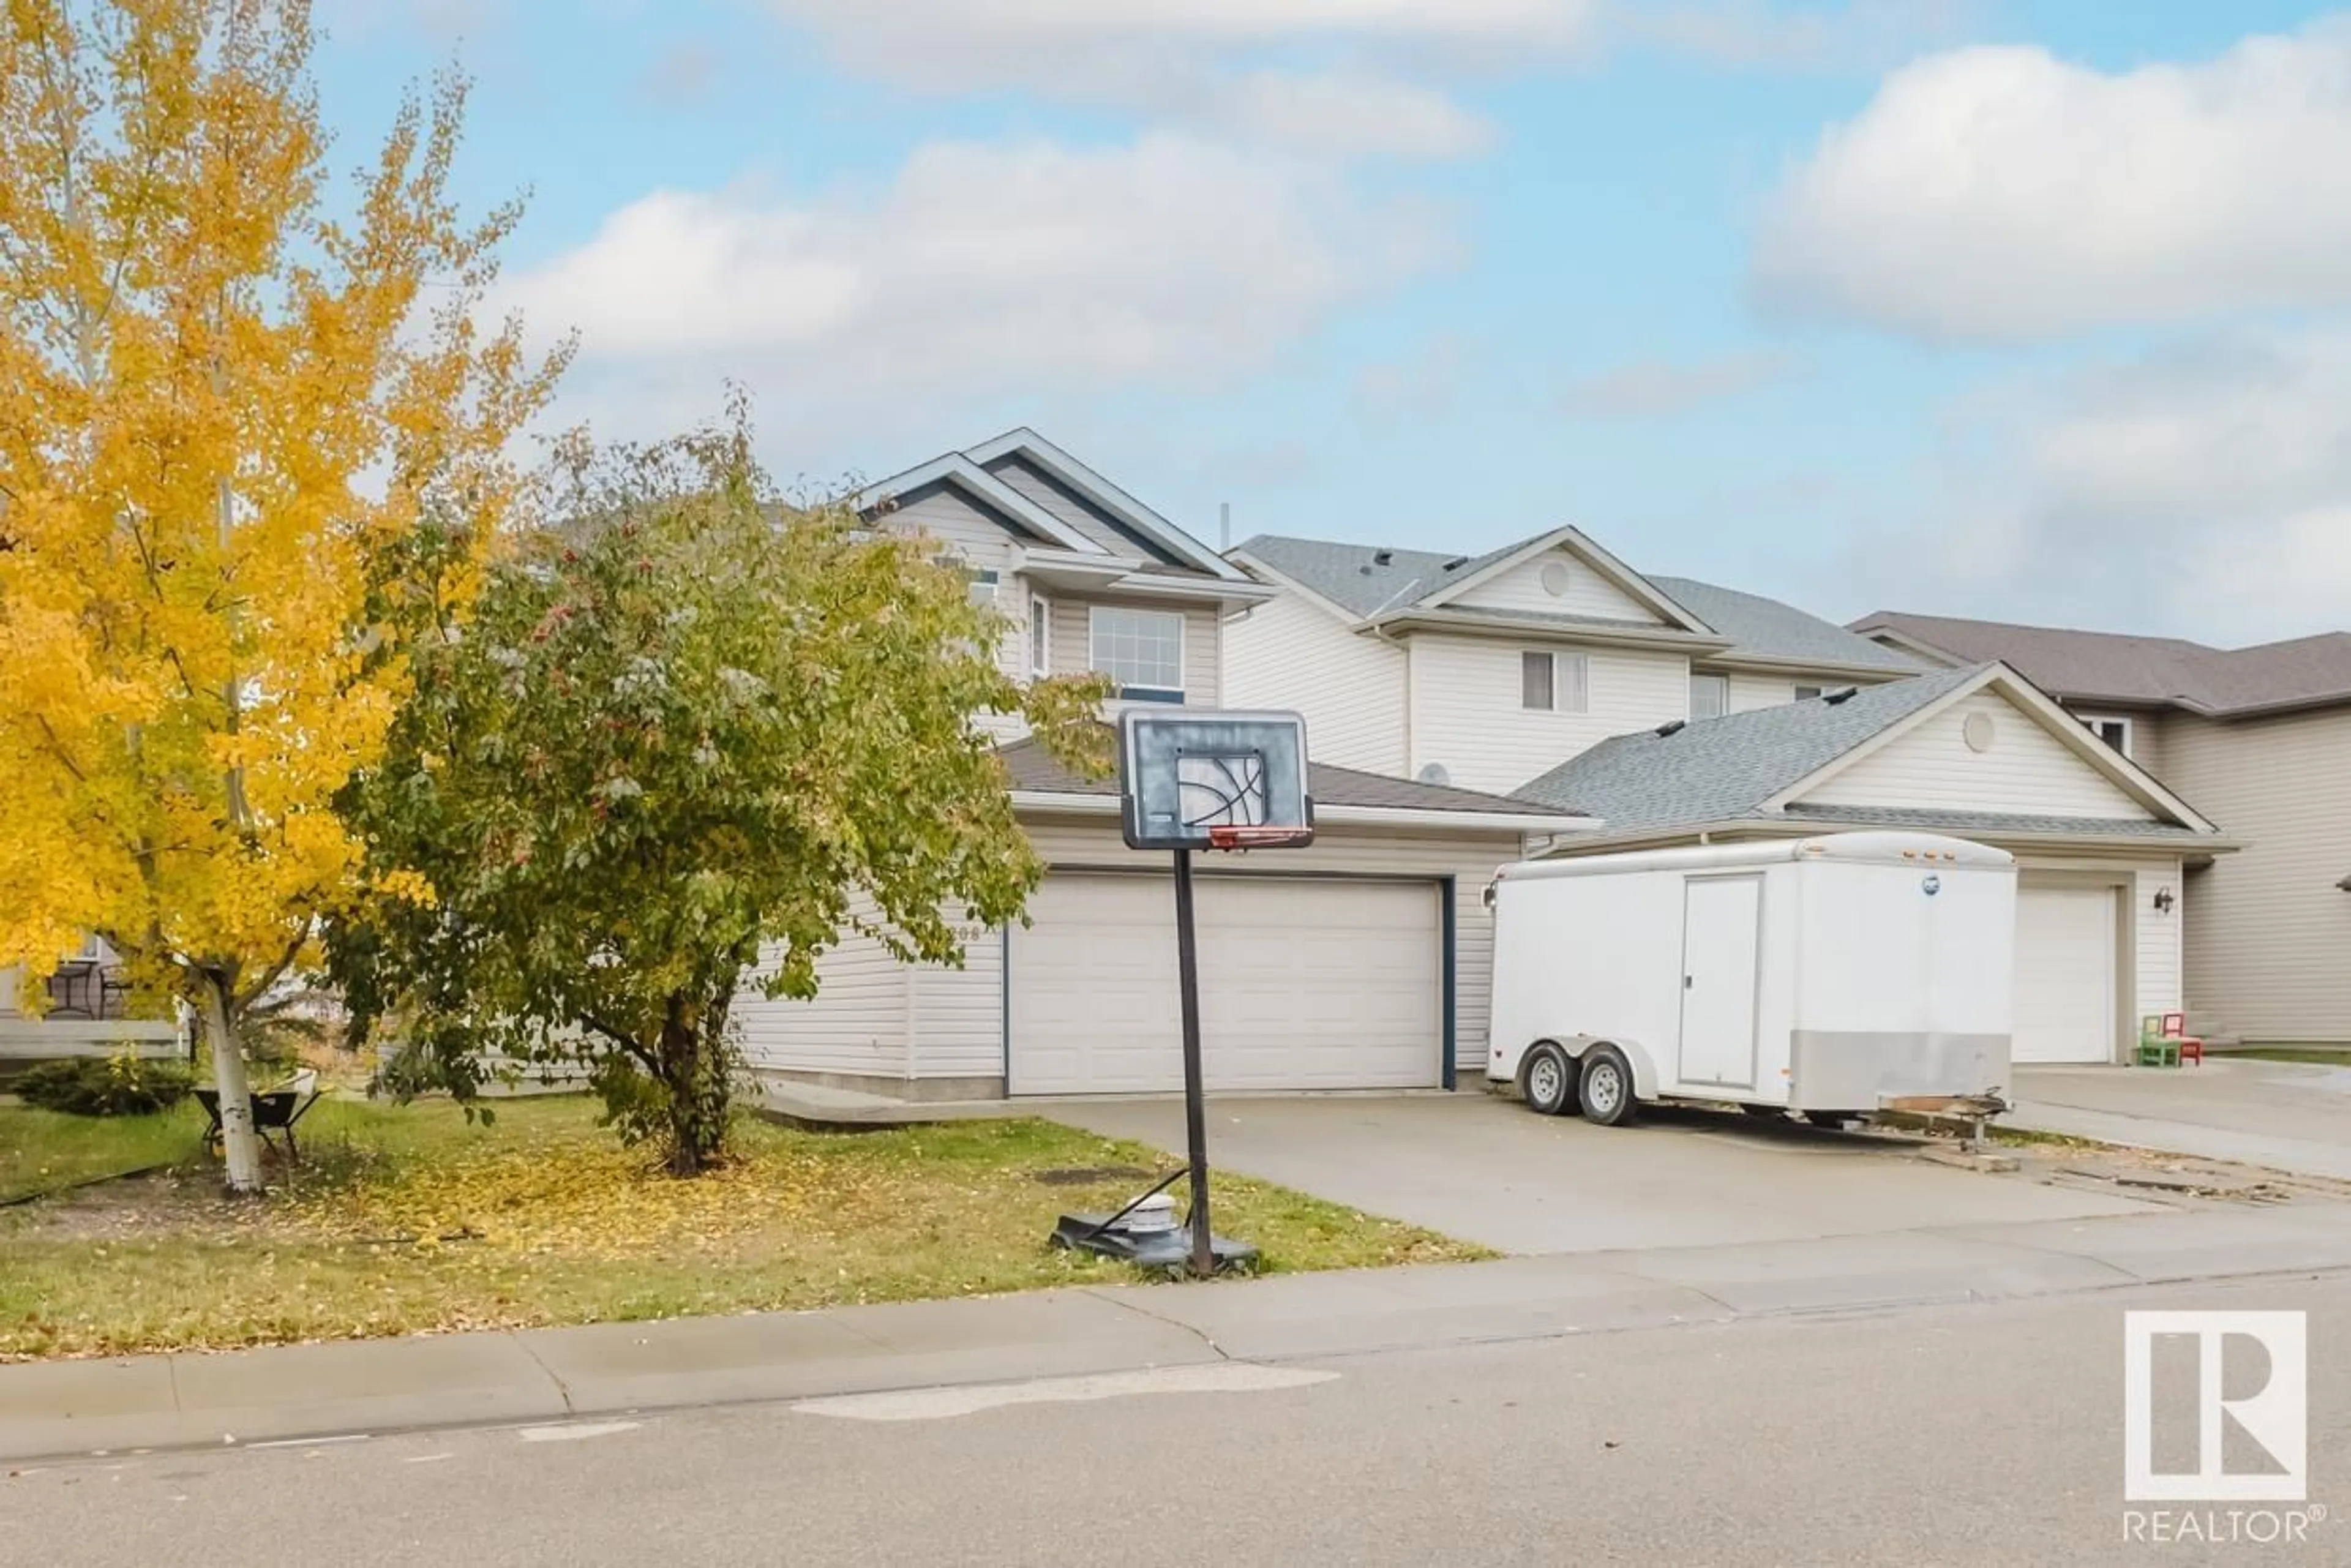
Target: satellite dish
<point x="1434" y="773"/>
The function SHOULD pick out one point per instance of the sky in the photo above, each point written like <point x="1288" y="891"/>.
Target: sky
<point x="2035" y="311"/>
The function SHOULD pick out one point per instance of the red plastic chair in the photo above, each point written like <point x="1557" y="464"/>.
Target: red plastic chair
<point x="2175" y="1028"/>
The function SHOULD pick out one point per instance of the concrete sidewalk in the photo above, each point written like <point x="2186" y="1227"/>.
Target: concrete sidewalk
<point x="297" y="1392"/>
<point x="2283" y="1116"/>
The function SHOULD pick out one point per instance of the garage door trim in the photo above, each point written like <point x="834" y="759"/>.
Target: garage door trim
<point x="1447" y="941"/>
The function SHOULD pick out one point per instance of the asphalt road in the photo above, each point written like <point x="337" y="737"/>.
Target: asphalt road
<point x="1977" y="1435"/>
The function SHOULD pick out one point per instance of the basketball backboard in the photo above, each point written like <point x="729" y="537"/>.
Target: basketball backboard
<point x="1195" y="779"/>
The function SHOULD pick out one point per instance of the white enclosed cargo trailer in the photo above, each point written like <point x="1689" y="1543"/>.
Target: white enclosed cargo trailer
<point x="1839" y="976"/>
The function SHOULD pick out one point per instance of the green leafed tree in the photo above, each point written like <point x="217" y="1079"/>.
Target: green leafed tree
<point x="687" y="726"/>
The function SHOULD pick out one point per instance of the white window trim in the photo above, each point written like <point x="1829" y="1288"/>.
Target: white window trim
<point x="1040" y="647"/>
<point x="1720" y="683"/>
<point x="1178" y="694"/>
<point x="1558" y="680"/>
<point x="2090" y="721"/>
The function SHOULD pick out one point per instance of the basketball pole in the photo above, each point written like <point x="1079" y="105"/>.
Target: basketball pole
<point x="1196" y="1109"/>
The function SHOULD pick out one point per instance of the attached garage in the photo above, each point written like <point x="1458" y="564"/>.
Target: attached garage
<point x="2102" y="848"/>
<point x="2067" y="953"/>
<point x="1306" y="983"/>
<point x="1362" y="961"/>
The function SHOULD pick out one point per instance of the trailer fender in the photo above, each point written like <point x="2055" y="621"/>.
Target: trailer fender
<point x="1645" y="1067"/>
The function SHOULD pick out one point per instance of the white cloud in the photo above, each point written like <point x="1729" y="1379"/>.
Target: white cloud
<point x="2203" y="491"/>
<point x="1343" y="113"/>
<point x="2000" y="193"/>
<point x="929" y="41"/>
<point x="1753" y="34"/>
<point x="1030" y="269"/>
<point x="1656" y="389"/>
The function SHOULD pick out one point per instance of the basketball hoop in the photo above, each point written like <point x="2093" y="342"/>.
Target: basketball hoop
<point x="1256" y="836"/>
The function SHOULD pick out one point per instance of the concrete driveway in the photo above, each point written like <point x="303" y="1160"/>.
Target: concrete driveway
<point x="2288" y="1116"/>
<point x="1490" y="1171"/>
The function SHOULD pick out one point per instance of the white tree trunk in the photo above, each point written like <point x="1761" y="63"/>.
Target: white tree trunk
<point x="239" y="1142"/>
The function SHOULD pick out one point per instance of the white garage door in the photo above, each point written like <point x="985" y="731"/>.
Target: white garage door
<point x="2065" y="973"/>
<point x="1303" y="985"/>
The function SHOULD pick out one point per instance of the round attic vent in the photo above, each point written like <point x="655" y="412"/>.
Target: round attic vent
<point x="1979" y="731"/>
<point x="1556" y="579"/>
<point x="1434" y="773"/>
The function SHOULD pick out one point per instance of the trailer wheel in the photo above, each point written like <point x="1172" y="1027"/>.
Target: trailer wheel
<point x="1605" y="1089"/>
<point x="1549" y="1081"/>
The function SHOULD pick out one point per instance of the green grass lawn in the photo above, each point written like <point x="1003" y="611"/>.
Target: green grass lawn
<point x="43" y="1150"/>
<point x="408" y="1220"/>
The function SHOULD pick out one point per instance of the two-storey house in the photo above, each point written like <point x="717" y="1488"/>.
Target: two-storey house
<point x="1669" y="712"/>
<point x="2259" y="738"/>
<point x="1361" y="962"/>
<point x="1484" y="672"/>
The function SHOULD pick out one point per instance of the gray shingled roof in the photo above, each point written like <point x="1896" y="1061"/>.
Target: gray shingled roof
<point x="1362" y="579"/>
<point x="1033" y="767"/>
<point x="1354" y="578"/>
<point x="1725" y="770"/>
<point x="1769" y="629"/>
<point x="1715" y="771"/>
<point x="2156" y="672"/>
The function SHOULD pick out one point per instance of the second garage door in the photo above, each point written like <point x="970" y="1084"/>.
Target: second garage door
<point x="1303" y="985"/>
<point x="2065" y="980"/>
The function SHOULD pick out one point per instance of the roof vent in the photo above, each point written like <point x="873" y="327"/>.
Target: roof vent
<point x="1675" y="727"/>
<point x="1456" y="563"/>
<point x="1384" y="558"/>
<point x="1842" y="695"/>
<point x="1434" y="773"/>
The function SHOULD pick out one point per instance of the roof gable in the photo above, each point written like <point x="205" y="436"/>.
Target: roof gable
<point x="1982" y="752"/>
<point x="1757" y="766"/>
<point x="1362" y="582"/>
<point x="1113" y="504"/>
<point x="998" y="502"/>
<point x="1722" y="769"/>
<point x="1556" y="582"/>
<point x="1468" y="584"/>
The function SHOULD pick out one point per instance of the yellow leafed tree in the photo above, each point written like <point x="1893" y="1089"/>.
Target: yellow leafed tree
<point x="225" y="405"/>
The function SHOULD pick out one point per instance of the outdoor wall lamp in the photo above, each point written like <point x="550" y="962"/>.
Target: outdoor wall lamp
<point x="2163" y="901"/>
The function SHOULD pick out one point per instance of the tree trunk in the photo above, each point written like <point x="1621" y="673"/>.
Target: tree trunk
<point x="239" y="1141"/>
<point x="693" y="1072"/>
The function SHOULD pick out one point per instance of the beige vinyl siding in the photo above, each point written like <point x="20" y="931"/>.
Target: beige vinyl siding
<point x="1471" y="861"/>
<point x="2268" y="931"/>
<point x="957" y="1015"/>
<point x="1465" y="713"/>
<point x="1588" y="592"/>
<point x="1288" y="653"/>
<point x="1073" y="642"/>
<point x="982" y="544"/>
<point x="2156" y="943"/>
<point x="946" y="516"/>
<point x="2147" y="737"/>
<point x="857" y="1022"/>
<point x="1749" y="693"/>
<point x="2027" y="770"/>
<point x="1070" y="509"/>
